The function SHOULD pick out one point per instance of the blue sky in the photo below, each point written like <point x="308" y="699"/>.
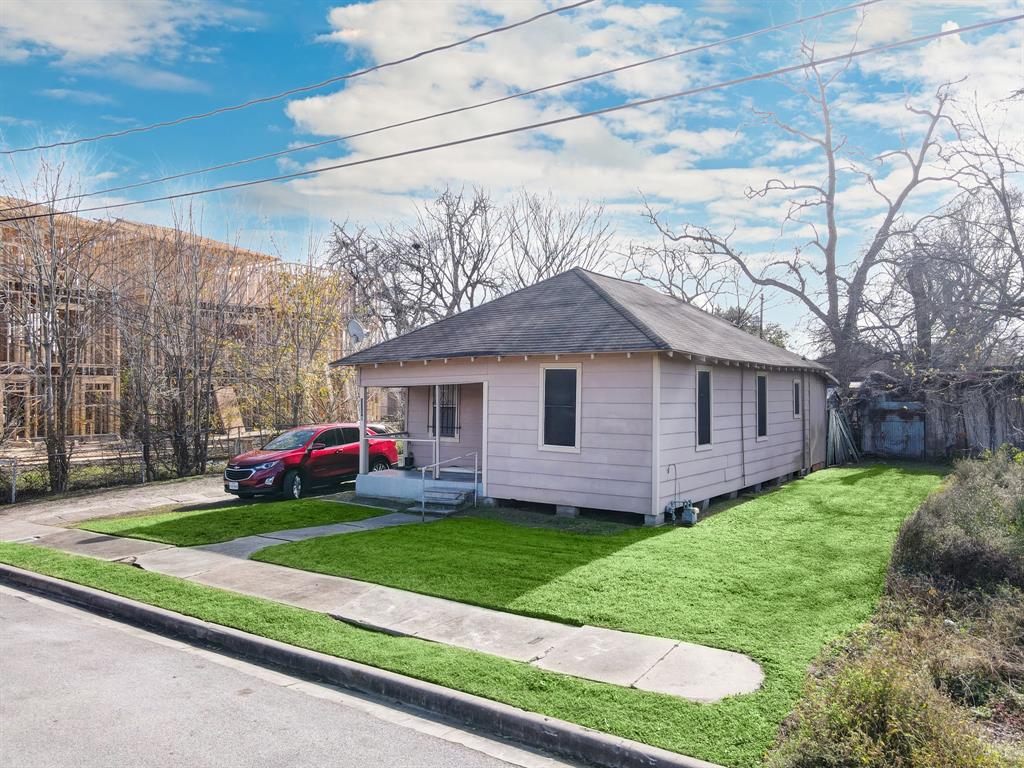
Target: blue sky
<point x="89" y="66"/>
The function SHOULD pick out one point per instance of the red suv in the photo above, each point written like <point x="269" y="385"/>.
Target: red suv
<point x="321" y="454"/>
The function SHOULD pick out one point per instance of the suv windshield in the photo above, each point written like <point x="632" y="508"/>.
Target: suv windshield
<point x="287" y="441"/>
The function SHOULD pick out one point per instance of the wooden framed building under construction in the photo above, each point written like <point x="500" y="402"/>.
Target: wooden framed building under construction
<point x="103" y="358"/>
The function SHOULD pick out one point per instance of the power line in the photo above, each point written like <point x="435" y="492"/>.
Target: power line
<point x="457" y="110"/>
<point x="543" y="124"/>
<point x="304" y="88"/>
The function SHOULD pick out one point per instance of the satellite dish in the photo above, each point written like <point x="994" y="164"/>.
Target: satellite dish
<point x="356" y="330"/>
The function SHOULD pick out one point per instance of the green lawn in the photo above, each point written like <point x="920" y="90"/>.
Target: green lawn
<point x="187" y="527"/>
<point x="775" y="577"/>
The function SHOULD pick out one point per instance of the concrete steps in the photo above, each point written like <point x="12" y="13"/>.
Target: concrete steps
<point x="441" y="501"/>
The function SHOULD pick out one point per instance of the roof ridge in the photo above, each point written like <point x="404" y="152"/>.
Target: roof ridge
<point x="646" y="330"/>
<point x="690" y="305"/>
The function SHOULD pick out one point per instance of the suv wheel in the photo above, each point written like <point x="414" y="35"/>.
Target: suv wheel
<point x="380" y="464"/>
<point x="291" y="488"/>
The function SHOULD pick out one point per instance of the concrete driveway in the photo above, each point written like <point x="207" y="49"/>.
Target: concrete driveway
<point x="134" y="498"/>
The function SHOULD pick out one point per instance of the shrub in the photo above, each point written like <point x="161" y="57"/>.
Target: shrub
<point x="971" y="532"/>
<point x="878" y="712"/>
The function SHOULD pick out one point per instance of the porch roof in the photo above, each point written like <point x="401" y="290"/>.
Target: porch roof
<point x="581" y="312"/>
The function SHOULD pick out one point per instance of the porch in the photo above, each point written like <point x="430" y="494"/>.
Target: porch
<point x="442" y="458"/>
<point x="440" y="495"/>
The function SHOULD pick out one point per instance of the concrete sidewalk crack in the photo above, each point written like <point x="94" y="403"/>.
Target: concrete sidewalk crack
<point x="660" y="659"/>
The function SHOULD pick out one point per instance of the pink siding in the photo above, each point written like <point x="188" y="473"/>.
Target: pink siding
<point x="613" y="467"/>
<point x="736" y="459"/>
<point x="470" y="434"/>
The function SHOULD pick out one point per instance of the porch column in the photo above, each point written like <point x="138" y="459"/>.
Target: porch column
<point x="364" y="452"/>
<point x="437" y="430"/>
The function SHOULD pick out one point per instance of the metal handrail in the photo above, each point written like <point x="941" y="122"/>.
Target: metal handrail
<point x="403" y="436"/>
<point x="436" y="465"/>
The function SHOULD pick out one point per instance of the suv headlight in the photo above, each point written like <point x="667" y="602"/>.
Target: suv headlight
<point x="267" y="465"/>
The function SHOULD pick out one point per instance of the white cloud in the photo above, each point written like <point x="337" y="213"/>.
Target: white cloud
<point x="90" y="30"/>
<point x="149" y="78"/>
<point x="77" y="96"/>
<point x="16" y="121"/>
<point x="604" y="158"/>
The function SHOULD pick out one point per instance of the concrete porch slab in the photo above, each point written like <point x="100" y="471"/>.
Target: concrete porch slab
<point x="606" y="654"/>
<point x="97" y="545"/>
<point x="401" y="484"/>
<point x="703" y="674"/>
<point x="22" y="530"/>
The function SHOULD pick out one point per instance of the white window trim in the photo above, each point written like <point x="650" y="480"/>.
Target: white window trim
<point x="431" y="412"/>
<point x="696" y="407"/>
<point x="797" y="414"/>
<point x="578" y="367"/>
<point x="757" y="408"/>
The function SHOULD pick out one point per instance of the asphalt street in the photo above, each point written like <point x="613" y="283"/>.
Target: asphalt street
<point x="83" y="691"/>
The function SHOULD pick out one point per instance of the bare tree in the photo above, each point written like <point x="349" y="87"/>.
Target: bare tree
<point x="53" y="295"/>
<point x="184" y="300"/>
<point x="951" y="292"/>
<point x="544" y="239"/>
<point x="832" y="292"/>
<point x="454" y="249"/>
<point x="138" y="296"/>
<point x="402" y="278"/>
<point x="673" y="266"/>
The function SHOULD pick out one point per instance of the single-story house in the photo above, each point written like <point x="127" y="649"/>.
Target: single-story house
<point x="588" y="391"/>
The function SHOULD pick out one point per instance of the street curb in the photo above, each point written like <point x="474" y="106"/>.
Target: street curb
<point x="537" y="731"/>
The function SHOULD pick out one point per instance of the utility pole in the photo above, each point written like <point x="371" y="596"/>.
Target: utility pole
<point x="760" y="321"/>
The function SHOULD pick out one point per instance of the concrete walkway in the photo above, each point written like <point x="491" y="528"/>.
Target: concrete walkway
<point x="247" y="545"/>
<point x="693" y="672"/>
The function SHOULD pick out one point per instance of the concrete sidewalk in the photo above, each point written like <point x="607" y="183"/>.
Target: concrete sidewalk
<point x="663" y="665"/>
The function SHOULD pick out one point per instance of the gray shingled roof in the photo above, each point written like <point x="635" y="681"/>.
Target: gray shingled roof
<point x="580" y="311"/>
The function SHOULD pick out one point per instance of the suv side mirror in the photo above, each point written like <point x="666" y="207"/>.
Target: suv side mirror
<point x="317" y="446"/>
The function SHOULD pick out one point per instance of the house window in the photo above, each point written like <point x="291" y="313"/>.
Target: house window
<point x="560" y="421"/>
<point x="797" y="398"/>
<point x="762" y="405"/>
<point x="449" y="411"/>
<point x="704" y="408"/>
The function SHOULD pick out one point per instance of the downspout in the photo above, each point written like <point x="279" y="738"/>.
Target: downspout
<point x="437" y="430"/>
<point x="804" y="401"/>
<point x="656" y="435"/>
<point x="743" y="437"/>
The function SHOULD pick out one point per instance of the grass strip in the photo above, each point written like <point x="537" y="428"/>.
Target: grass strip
<point x="188" y="527"/>
<point x="647" y="717"/>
